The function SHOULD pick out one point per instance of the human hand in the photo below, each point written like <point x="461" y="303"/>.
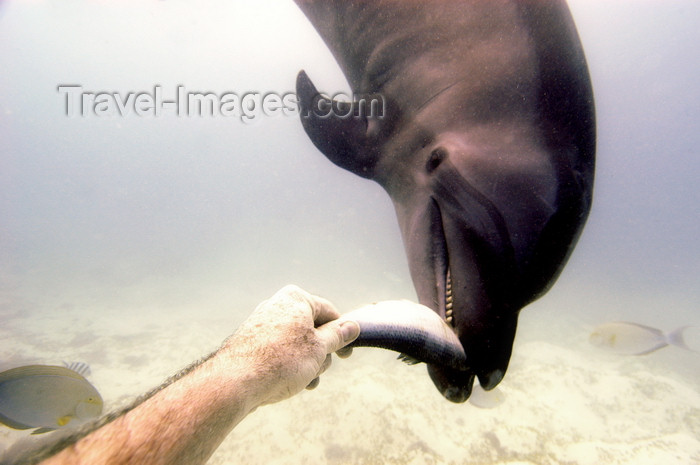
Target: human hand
<point x="287" y="342"/>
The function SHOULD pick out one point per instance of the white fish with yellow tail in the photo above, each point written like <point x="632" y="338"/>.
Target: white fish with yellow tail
<point x="634" y="339"/>
<point x="46" y="397"/>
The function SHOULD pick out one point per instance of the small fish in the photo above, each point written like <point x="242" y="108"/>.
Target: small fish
<point x="46" y="397"/>
<point x="634" y="339"/>
<point x="420" y="335"/>
<point x="414" y="330"/>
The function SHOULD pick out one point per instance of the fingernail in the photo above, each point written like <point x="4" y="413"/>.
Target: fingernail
<point x="350" y="330"/>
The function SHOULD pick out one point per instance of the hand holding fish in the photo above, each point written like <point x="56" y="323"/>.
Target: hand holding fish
<point x="279" y="350"/>
<point x="287" y="342"/>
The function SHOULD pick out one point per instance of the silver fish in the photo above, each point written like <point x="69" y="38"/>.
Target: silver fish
<point x="627" y="338"/>
<point x="420" y="335"/>
<point x="46" y="397"/>
<point x="414" y="330"/>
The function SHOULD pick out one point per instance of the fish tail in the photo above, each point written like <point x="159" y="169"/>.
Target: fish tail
<point x="676" y="338"/>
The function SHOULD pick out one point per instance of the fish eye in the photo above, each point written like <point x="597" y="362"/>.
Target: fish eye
<point x="436" y="157"/>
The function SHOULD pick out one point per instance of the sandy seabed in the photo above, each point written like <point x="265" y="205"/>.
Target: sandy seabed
<point x="565" y="402"/>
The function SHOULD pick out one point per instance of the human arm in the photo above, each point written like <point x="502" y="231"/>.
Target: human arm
<point x="279" y="350"/>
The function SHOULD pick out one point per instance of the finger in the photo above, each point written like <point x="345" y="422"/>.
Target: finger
<point x="322" y="310"/>
<point x="325" y="365"/>
<point x="314" y="382"/>
<point x="289" y="293"/>
<point x="335" y="335"/>
<point x="344" y="352"/>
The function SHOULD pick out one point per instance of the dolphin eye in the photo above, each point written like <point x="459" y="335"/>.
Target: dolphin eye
<point x="436" y="157"/>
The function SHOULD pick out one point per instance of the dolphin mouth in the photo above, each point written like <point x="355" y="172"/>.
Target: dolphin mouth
<point x="454" y="384"/>
<point x="457" y="297"/>
<point x="444" y="297"/>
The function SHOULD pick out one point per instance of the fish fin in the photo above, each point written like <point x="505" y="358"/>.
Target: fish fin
<point x="64" y="420"/>
<point x="81" y="368"/>
<point x="651" y="329"/>
<point x="658" y="346"/>
<point x="9" y="422"/>
<point x="676" y="338"/>
<point x="408" y="360"/>
<point x="38" y="370"/>
<point x="43" y="430"/>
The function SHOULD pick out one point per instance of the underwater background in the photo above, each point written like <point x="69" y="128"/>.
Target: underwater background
<point x="136" y="244"/>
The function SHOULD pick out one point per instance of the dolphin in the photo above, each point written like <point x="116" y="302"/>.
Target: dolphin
<point x="486" y="146"/>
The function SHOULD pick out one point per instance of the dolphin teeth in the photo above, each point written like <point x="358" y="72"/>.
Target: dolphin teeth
<point x="449" y="298"/>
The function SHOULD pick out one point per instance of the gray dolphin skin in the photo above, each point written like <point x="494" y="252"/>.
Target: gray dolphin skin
<point x="486" y="146"/>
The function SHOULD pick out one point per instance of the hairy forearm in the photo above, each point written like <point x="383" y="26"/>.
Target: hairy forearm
<point x="283" y="347"/>
<point x="182" y="423"/>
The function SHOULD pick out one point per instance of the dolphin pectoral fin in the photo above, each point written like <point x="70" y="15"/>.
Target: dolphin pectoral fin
<point x="334" y="129"/>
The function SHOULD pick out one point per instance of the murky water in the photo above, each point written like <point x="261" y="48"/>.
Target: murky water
<point x="136" y="243"/>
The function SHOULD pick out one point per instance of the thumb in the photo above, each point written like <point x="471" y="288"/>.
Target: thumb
<point x="336" y="334"/>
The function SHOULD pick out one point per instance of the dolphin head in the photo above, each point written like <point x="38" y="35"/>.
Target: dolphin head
<point x="488" y="215"/>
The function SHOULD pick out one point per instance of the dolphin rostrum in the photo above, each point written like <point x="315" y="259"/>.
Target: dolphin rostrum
<point x="486" y="147"/>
